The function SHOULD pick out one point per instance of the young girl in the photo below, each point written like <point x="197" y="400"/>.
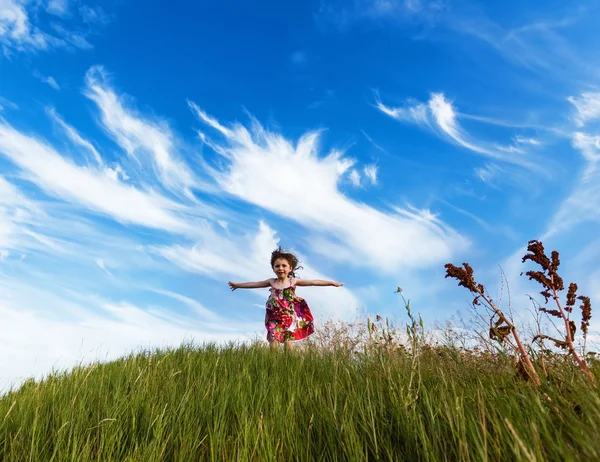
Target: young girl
<point x="288" y="316"/>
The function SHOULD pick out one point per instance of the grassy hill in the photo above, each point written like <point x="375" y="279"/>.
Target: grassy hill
<point x="247" y="403"/>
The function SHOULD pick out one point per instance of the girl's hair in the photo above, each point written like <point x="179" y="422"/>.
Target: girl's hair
<point x="290" y="257"/>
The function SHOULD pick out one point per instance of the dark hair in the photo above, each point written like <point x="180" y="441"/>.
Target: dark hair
<point x="290" y="257"/>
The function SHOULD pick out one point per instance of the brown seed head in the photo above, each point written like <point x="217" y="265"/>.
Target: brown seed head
<point x="555" y="260"/>
<point x="554" y="313"/>
<point x="464" y="277"/>
<point x="548" y="276"/>
<point x="571" y="297"/>
<point x="586" y="313"/>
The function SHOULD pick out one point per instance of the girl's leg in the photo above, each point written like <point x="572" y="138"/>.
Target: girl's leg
<point x="289" y="346"/>
<point x="273" y="346"/>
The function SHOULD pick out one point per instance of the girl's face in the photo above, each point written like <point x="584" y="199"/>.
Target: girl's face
<point x="282" y="268"/>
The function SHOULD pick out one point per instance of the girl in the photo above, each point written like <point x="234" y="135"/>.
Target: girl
<point x="288" y="316"/>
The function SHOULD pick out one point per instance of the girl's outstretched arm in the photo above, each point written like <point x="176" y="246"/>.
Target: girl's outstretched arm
<point x="317" y="282"/>
<point x="249" y="285"/>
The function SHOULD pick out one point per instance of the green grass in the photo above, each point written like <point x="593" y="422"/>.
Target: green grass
<point x="247" y="403"/>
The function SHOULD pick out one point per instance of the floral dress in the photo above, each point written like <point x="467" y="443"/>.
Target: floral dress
<point x="288" y="316"/>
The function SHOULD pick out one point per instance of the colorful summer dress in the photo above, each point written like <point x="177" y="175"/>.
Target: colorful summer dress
<point x="288" y="316"/>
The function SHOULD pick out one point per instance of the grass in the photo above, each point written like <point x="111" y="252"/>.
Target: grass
<point x="247" y="403"/>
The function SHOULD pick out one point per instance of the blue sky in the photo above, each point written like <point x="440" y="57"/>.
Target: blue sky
<point x="150" y="154"/>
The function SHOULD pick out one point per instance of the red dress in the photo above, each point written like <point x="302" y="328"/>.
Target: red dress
<point x="288" y="316"/>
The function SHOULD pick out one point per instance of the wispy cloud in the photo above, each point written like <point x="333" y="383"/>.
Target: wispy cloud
<point x="74" y="136"/>
<point x="589" y="145"/>
<point x="16" y="30"/>
<point x="488" y="173"/>
<point x="14" y="209"/>
<point x="583" y="203"/>
<point x="537" y="45"/>
<point x="58" y="7"/>
<point x="50" y="81"/>
<point x="496" y="229"/>
<point x="89" y="187"/>
<point x="371" y="173"/>
<point x="205" y="313"/>
<point x="529" y="141"/>
<point x="48" y="330"/>
<point x="21" y="27"/>
<point x="221" y="256"/>
<point x="93" y="15"/>
<point x="354" y="177"/>
<point x="587" y="106"/>
<point x="25" y="226"/>
<point x="440" y="116"/>
<point x="138" y="135"/>
<point x="344" y="14"/>
<point x="257" y="160"/>
<point x="6" y="103"/>
<point x="47" y="80"/>
<point x="73" y="38"/>
<point x="375" y="145"/>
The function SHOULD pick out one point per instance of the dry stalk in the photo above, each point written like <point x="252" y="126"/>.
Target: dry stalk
<point x="552" y="284"/>
<point x="500" y="328"/>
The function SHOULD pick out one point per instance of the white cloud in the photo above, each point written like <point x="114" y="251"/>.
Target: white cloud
<point x="102" y="266"/>
<point x="139" y="136"/>
<point x="345" y="13"/>
<point x="16" y="217"/>
<point x="440" y="116"/>
<point x="20" y="26"/>
<point x="50" y="81"/>
<point x="15" y="28"/>
<point x="88" y="187"/>
<point x="244" y="259"/>
<point x="47" y="80"/>
<point x="537" y="46"/>
<point x="198" y="308"/>
<point x="510" y="149"/>
<point x="375" y="145"/>
<point x="72" y="38"/>
<point x="58" y="7"/>
<point x="583" y="203"/>
<point x="354" y="177"/>
<point x="587" y="106"/>
<point x="417" y="113"/>
<point x="488" y="173"/>
<point x="523" y="140"/>
<point x="95" y="15"/>
<point x="292" y="181"/>
<point x="371" y="173"/>
<point x="214" y="254"/>
<point x="589" y="146"/>
<point x="74" y="135"/>
<point x="43" y="331"/>
<point x="6" y="103"/>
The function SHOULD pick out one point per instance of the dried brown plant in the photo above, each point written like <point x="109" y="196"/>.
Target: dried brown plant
<point x="501" y="326"/>
<point x="552" y="284"/>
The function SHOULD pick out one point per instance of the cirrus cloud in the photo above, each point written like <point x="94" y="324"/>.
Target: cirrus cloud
<point x="293" y="181"/>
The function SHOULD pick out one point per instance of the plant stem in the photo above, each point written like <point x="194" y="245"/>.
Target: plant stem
<point x="524" y="356"/>
<point x="581" y="362"/>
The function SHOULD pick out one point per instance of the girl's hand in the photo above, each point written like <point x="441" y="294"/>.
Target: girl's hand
<point x="233" y="285"/>
<point x="338" y="284"/>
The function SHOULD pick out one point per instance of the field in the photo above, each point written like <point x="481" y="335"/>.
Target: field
<point x="247" y="403"/>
